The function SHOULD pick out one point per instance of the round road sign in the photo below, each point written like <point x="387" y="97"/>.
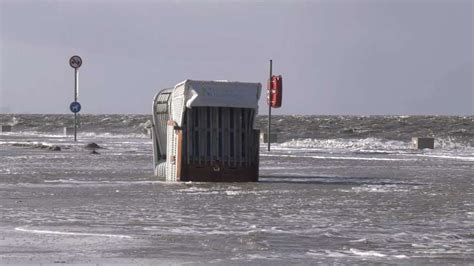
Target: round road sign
<point x="75" y="61"/>
<point x="75" y="107"/>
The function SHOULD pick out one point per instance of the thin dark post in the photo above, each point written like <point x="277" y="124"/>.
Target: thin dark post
<point x="75" y="100"/>
<point x="269" y="106"/>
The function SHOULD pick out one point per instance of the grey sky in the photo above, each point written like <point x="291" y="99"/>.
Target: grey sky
<point x="336" y="57"/>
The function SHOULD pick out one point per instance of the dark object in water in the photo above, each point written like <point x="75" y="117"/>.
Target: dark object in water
<point x="347" y="131"/>
<point x="54" y="148"/>
<point x="94" y="152"/>
<point x="5" y="128"/>
<point x="92" y="146"/>
<point x="38" y="146"/>
<point x="422" y="143"/>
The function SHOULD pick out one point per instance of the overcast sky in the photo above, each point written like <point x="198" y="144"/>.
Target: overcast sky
<point x="336" y="57"/>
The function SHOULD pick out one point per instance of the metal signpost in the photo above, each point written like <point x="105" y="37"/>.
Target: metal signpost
<point x="274" y="99"/>
<point x="269" y="107"/>
<point x="75" y="62"/>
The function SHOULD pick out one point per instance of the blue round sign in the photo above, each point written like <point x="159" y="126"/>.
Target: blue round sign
<point x="75" y="107"/>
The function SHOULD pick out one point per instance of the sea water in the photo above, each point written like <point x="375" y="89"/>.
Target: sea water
<point x="335" y="189"/>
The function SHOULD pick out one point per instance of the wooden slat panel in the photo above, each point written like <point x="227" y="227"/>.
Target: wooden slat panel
<point x="202" y="136"/>
<point x="210" y="139"/>
<point x="232" y="136"/>
<point x="243" y="136"/>
<point x="238" y="136"/>
<point x="221" y="134"/>
<point x="188" y="133"/>
<point x="214" y="135"/>
<point x="251" y="141"/>
<point x="195" y="137"/>
<point x="248" y="138"/>
<point x="225" y="136"/>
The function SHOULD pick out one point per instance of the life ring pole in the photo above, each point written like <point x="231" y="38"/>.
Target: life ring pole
<point x="269" y="106"/>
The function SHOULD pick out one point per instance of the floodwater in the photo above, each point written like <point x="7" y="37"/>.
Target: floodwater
<point x="323" y="200"/>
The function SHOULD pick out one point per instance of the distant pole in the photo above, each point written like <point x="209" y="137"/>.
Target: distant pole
<point x="75" y="107"/>
<point x="269" y="106"/>
<point x="76" y="87"/>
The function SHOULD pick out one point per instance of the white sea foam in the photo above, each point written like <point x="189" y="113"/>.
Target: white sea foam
<point x="348" y="144"/>
<point x="337" y="157"/>
<point x="275" y="167"/>
<point x="229" y="191"/>
<point x="113" y="135"/>
<point x="26" y="143"/>
<point x="378" y="188"/>
<point x="328" y="253"/>
<point x="453" y="157"/>
<point x="48" y="232"/>
<point x="370" y="145"/>
<point x="92" y="135"/>
<point x="335" y="254"/>
<point x="450" y="143"/>
<point x="33" y="134"/>
<point x="198" y="191"/>
<point x="194" y="189"/>
<point x="74" y="181"/>
<point x="368" y="253"/>
<point x="358" y="240"/>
